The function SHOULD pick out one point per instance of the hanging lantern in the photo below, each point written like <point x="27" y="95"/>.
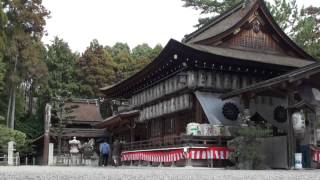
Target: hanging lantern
<point x="298" y="120"/>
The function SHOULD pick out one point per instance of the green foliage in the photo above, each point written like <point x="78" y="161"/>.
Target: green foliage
<point x="307" y="30"/>
<point x="2" y="74"/>
<point x="61" y="114"/>
<point x="143" y="54"/>
<point x="45" y="73"/>
<point x="303" y="25"/>
<point x="95" y="69"/>
<point x="105" y="109"/>
<point x="25" y="27"/>
<point x="285" y="13"/>
<point x="61" y="66"/>
<point x="22" y="144"/>
<point x="24" y="52"/>
<point x="247" y="148"/>
<point x="121" y="56"/>
<point x="213" y="7"/>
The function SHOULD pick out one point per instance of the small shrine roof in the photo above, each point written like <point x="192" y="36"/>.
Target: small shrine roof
<point x="87" y="110"/>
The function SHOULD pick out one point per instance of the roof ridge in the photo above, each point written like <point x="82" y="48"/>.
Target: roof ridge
<point x="212" y="22"/>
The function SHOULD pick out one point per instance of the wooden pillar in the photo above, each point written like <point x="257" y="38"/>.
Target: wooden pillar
<point x="290" y="135"/>
<point x="46" y="137"/>
<point x="246" y="101"/>
<point x="132" y="130"/>
<point x="198" y="112"/>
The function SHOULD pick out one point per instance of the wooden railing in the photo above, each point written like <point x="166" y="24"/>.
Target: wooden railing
<point x="176" y="141"/>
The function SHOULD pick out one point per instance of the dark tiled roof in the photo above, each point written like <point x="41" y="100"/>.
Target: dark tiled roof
<point x="82" y="132"/>
<point x="87" y="111"/>
<point x="253" y="56"/>
<point x="117" y="118"/>
<point x="220" y="27"/>
<point x="219" y="24"/>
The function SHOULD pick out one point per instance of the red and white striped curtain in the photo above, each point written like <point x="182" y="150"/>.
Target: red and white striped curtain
<point x="316" y="155"/>
<point x="176" y="155"/>
<point x="209" y="153"/>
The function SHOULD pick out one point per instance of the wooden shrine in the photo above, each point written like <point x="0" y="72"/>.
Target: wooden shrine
<point x="241" y="47"/>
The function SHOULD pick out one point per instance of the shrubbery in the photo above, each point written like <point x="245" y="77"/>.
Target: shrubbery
<point x="248" y="152"/>
<point x="23" y="145"/>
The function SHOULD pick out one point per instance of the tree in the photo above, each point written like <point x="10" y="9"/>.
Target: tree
<point x="3" y="22"/>
<point x="24" y="29"/>
<point x="61" y="67"/>
<point x="61" y="115"/>
<point x="306" y="33"/>
<point x="143" y="54"/>
<point x="22" y="144"/>
<point x="121" y="55"/>
<point x="214" y="7"/>
<point x="156" y="51"/>
<point x="285" y="14"/>
<point x="95" y="69"/>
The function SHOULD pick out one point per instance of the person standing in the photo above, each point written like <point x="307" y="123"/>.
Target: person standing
<point x="104" y="153"/>
<point x="116" y="152"/>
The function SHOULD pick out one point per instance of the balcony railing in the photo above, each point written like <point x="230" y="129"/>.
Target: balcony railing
<point x="171" y="141"/>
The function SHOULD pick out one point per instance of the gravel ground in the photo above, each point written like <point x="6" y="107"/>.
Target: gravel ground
<point x="149" y="173"/>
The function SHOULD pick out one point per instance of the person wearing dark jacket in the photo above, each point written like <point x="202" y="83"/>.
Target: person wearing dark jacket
<point x="116" y="150"/>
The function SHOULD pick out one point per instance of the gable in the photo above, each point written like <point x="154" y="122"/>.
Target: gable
<point x="249" y="28"/>
<point x="256" y="35"/>
<point x="249" y="39"/>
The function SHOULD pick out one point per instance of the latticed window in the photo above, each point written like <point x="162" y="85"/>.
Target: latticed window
<point x="254" y="40"/>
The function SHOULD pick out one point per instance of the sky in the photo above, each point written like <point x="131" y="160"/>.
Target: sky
<point x="78" y="22"/>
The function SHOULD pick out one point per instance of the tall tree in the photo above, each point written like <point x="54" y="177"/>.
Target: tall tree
<point x="143" y="54"/>
<point x="285" y="13"/>
<point x="24" y="29"/>
<point x="62" y="114"/>
<point x="121" y="55"/>
<point x="306" y="32"/>
<point x="3" y="22"/>
<point x="61" y="66"/>
<point x="95" y="69"/>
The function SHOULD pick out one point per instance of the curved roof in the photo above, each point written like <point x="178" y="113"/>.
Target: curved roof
<point x="229" y="22"/>
<point x="194" y="46"/>
<point x="163" y="66"/>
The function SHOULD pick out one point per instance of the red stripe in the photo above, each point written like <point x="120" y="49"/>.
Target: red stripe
<point x="194" y="153"/>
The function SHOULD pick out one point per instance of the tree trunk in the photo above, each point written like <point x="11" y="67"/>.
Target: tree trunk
<point x="9" y="108"/>
<point x="30" y="97"/>
<point x="12" y="99"/>
<point x="60" y="131"/>
<point x="13" y="110"/>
